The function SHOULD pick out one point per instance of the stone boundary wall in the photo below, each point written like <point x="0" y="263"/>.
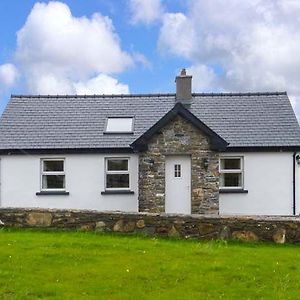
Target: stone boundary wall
<point x="276" y="229"/>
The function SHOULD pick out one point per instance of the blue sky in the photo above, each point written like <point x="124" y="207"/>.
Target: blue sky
<point x="138" y="46"/>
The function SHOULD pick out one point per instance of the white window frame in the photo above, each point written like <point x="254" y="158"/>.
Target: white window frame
<point x="43" y="173"/>
<point x="107" y="172"/>
<point x="119" y="131"/>
<point x="232" y="171"/>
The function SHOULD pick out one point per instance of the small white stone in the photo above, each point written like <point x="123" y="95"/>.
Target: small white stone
<point x="160" y="195"/>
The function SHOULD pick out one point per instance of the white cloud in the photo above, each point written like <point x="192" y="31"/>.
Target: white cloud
<point x="145" y="11"/>
<point x="49" y="83"/>
<point x="102" y="84"/>
<point x="56" y="50"/>
<point x="203" y="77"/>
<point x="8" y="75"/>
<point x="252" y="45"/>
<point x="177" y="35"/>
<point x="142" y="59"/>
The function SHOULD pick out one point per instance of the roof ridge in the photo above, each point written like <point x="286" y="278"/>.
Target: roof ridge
<point x="95" y="95"/>
<point x="240" y="94"/>
<point x="225" y="94"/>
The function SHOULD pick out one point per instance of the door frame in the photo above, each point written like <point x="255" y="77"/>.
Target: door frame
<point x="183" y="155"/>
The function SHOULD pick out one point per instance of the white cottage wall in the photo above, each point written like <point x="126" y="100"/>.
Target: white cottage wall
<point x="20" y="180"/>
<point x="268" y="177"/>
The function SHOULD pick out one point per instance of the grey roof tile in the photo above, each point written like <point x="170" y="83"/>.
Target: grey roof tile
<point x="242" y="119"/>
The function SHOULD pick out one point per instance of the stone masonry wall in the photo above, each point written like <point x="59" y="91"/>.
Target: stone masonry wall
<point x="276" y="229"/>
<point x="179" y="137"/>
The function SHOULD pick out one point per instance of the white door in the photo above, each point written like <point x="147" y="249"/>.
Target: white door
<point x="178" y="184"/>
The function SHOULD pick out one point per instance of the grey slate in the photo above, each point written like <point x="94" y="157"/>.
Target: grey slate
<point x="66" y="122"/>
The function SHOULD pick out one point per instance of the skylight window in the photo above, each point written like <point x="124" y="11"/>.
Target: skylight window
<point x="119" y="125"/>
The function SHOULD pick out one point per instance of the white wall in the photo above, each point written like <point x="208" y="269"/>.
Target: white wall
<point x="268" y="177"/>
<point x="20" y="180"/>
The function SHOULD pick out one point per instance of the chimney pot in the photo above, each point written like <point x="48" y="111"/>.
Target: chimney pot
<point x="183" y="88"/>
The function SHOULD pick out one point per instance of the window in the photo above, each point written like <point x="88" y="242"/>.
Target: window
<point x="177" y="171"/>
<point x="231" y="171"/>
<point x="53" y="174"/>
<point x="117" y="173"/>
<point x="119" y="125"/>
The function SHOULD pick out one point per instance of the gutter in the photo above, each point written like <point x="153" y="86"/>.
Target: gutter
<point x="294" y="184"/>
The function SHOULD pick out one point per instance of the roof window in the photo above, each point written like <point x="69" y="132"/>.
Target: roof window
<point x="119" y="125"/>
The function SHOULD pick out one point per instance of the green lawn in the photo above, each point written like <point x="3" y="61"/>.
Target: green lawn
<point x="79" y="265"/>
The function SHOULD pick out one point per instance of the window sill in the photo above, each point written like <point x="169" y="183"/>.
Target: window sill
<point x="42" y="193"/>
<point x="117" y="192"/>
<point x="118" y="132"/>
<point x="233" y="191"/>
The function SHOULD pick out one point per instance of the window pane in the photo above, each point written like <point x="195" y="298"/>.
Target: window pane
<point x="119" y="125"/>
<point x="231" y="180"/>
<point x="177" y="171"/>
<point x="53" y="165"/>
<point x="117" y="164"/>
<point x="231" y="164"/>
<point x="53" y="182"/>
<point x="117" y="180"/>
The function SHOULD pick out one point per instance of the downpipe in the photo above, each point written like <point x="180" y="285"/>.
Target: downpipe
<point x="294" y="183"/>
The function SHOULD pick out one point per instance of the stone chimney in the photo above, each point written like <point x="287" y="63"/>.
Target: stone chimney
<point x="183" y="87"/>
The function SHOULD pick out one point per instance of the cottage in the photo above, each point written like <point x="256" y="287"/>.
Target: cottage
<point x="200" y="153"/>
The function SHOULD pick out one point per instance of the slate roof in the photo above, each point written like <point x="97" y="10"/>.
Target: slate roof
<point x="67" y="122"/>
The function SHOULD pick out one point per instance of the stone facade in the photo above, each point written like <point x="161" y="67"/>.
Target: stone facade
<point x="179" y="137"/>
<point x="275" y="229"/>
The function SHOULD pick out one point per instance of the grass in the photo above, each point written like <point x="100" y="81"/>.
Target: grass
<point x="79" y="265"/>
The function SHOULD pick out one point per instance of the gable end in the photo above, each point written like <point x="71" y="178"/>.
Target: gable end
<point x="216" y="142"/>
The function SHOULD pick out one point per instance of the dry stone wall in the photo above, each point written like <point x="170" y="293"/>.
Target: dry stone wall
<point x="275" y="229"/>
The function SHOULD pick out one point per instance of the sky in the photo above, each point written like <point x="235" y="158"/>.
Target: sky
<point x="139" y="46"/>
